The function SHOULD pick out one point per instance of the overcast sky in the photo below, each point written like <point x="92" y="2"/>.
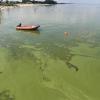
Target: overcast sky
<point x="78" y="1"/>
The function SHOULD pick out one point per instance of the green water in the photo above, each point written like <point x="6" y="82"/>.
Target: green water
<point x="45" y="65"/>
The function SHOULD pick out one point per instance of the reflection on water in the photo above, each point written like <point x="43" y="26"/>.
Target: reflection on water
<point x="0" y="16"/>
<point x="33" y="32"/>
<point x="46" y="64"/>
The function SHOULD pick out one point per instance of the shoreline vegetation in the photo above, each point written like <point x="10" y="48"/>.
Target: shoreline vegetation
<point x="10" y="4"/>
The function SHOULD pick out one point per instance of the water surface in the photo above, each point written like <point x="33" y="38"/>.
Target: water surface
<point x="45" y="64"/>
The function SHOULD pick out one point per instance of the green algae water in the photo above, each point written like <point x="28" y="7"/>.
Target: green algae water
<point x="44" y="64"/>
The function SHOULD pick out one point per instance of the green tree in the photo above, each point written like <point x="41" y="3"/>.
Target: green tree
<point x="7" y="1"/>
<point x="50" y="2"/>
<point x="24" y="1"/>
<point x="33" y="1"/>
<point x="1" y="1"/>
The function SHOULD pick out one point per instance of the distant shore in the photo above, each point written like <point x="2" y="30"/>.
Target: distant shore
<point x="29" y="5"/>
<point x="6" y="7"/>
<point x="20" y="5"/>
<point x="17" y="5"/>
<point x="24" y="5"/>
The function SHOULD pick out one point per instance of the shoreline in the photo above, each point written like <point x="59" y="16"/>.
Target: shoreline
<point x="26" y="5"/>
<point x="6" y="7"/>
<point x="21" y="5"/>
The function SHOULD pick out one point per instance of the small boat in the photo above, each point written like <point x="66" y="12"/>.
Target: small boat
<point x="32" y="27"/>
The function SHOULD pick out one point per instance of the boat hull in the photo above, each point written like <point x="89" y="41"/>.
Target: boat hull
<point x="33" y="27"/>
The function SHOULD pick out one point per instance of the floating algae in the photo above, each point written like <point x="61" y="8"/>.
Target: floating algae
<point x="59" y="51"/>
<point x="5" y="95"/>
<point x="85" y="50"/>
<point x="72" y="66"/>
<point x="90" y="38"/>
<point x="1" y="72"/>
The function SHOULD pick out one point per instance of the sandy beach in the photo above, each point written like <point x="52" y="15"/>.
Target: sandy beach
<point x="30" y="5"/>
<point x="17" y="5"/>
<point x="20" y="5"/>
<point x="24" y="5"/>
<point x="6" y="7"/>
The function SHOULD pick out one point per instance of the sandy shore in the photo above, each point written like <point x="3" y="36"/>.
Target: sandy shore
<point x="21" y="5"/>
<point x="25" y="5"/>
<point x="30" y="5"/>
<point x="6" y="7"/>
<point x="17" y="5"/>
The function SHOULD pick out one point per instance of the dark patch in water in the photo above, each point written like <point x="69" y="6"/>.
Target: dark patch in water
<point x="72" y="66"/>
<point x="68" y="59"/>
<point x="46" y="79"/>
<point x="57" y="51"/>
<point x="5" y="95"/>
<point x="1" y="72"/>
<point x="19" y="53"/>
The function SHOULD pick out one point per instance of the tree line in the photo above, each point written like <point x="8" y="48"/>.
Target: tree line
<point x="45" y="2"/>
<point x="29" y="1"/>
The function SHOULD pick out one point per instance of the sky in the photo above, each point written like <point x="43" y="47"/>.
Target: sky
<point x="78" y="1"/>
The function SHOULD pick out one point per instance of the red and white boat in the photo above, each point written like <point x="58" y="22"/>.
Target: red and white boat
<point x="32" y="27"/>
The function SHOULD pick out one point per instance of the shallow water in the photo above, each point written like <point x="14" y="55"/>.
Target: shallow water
<point x="47" y="64"/>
